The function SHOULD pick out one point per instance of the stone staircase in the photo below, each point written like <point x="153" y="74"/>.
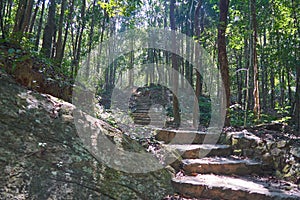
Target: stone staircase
<point x="151" y="106"/>
<point x="144" y="114"/>
<point x="211" y="171"/>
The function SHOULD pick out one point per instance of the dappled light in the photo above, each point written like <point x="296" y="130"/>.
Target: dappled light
<point x="150" y="99"/>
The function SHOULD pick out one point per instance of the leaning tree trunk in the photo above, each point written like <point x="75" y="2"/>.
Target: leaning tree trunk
<point x="222" y="55"/>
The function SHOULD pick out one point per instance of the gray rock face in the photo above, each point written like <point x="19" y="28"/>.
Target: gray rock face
<point x="42" y="157"/>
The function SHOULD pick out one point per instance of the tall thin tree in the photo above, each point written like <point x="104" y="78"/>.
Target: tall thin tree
<point x="59" y="42"/>
<point x="222" y="55"/>
<point x="174" y="66"/>
<point x="253" y="58"/>
<point x="49" y="30"/>
<point x="198" y="89"/>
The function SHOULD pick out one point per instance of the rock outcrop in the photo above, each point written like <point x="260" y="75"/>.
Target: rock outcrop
<point x="42" y="157"/>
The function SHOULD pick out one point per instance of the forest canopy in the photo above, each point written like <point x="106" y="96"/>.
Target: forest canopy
<point x="254" y="43"/>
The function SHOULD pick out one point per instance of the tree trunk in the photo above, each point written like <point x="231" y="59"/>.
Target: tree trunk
<point x="222" y="55"/>
<point x="289" y="88"/>
<point x="272" y="86"/>
<point x="264" y="76"/>
<point x="198" y="89"/>
<point x="256" y="108"/>
<point x="79" y="38"/>
<point x="59" y="42"/>
<point x="112" y="65"/>
<point x="175" y="67"/>
<point x="188" y="66"/>
<point x="246" y="66"/>
<point x="32" y="21"/>
<point x="20" y="16"/>
<point x="239" y="78"/>
<point x="39" y="30"/>
<point x="27" y="17"/>
<point x="2" y="6"/>
<point x="7" y="25"/>
<point x="49" y="30"/>
<point x="130" y="71"/>
<point x="71" y="9"/>
<point x="282" y="88"/>
<point x="182" y="66"/>
<point x="296" y="114"/>
<point x="102" y="28"/>
<point x="90" y="41"/>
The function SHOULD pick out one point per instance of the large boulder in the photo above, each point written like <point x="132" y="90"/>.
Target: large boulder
<point x="42" y="157"/>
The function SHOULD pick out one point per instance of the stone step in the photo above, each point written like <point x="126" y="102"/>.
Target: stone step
<point x="147" y="120"/>
<point x="144" y="119"/>
<point x="145" y="102"/>
<point x="144" y="122"/>
<point x="147" y="115"/>
<point x="138" y="108"/>
<point x="145" y="110"/>
<point x="142" y="111"/>
<point x="233" y="188"/>
<point x="141" y="106"/>
<point x="222" y="165"/>
<point x="185" y="136"/>
<point x="193" y="151"/>
<point x="151" y="124"/>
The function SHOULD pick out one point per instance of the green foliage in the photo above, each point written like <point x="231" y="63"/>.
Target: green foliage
<point x="237" y="116"/>
<point x="277" y="42"/>
<point x="119" y="7"/>
<point x="205" y="110"/>
<point x="283" y="113"/>
<point x="16" y="55"/>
